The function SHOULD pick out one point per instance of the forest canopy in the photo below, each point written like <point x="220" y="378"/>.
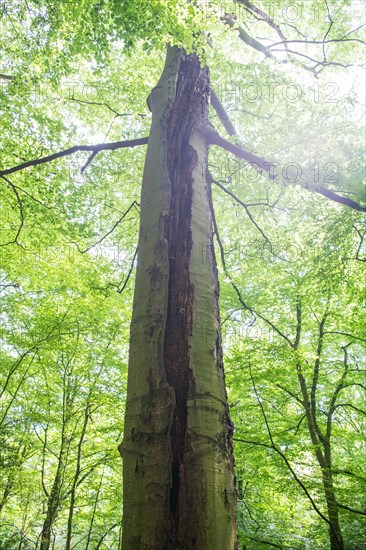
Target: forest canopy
<point x="286" y="169"/>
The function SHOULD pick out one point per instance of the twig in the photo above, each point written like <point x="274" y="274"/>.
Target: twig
<point x="245" y="306"/>
<point x="292" y="471"/>
<point x="135" y="203"/>
<point x="265" y="542"/>
<point x="231" y="194"/>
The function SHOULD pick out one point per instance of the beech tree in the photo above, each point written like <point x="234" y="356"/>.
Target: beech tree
<point x="178" y="468"/>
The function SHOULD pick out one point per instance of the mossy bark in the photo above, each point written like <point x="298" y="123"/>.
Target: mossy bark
<point x="178" y="475"/>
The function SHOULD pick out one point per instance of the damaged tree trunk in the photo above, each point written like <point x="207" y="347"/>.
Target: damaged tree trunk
<point x="178" y="474"/>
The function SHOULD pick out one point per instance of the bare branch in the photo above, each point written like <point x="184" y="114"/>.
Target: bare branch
<point x="291" y="393"/>
<point x="214" y="138"/>
<point x="292" y="471"/>
<point x="338" y="198"/>
<point x="246" y="210"/>
<point x="32" y="197"/>
<point x="353" y="510"/>
<point x="354" y="30"/>
<point x="267" y="117"/>
<point x="134" y="204"/>
<point x="348" y="473"/>
<point x="336" y="392"/>
<point x="222" y="114"/>
<point x="241" y="300"/>
<point x="352" y="407"/>
<point x="316" y="370"/>
<point x="298" y="324"/>
<point x="120" y="288"/>
<point x="88" y="162"/>
<point x="330" y="25"/>
<point x="307" y="42"/>
<point x="103" y="104"/>
<point x="265" y="17"/>
<point x="94" y="148"/>
<point x="259" y="401"/>
<point x="246" y="38"/>
<point x="344" y="334"/>
<point x="317" y="62"/>
<point x="362" y="236"/>
<point x="265" y="542"/>
<point x="249" y="511"/>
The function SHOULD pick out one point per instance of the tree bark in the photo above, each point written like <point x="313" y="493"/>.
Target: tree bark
<point x="322" y="450"/>
<point x="53" y="501"/>
<point x="178" y="478"/>
<point x="76" y="476"/>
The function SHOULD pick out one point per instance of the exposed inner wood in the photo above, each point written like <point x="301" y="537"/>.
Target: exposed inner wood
<point x="190" y="107"/>
<point x="177" y="457"/>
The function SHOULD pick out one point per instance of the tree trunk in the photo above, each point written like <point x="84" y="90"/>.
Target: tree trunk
<point x="52" y="509"/>
<point x="335" y="532"/>
<point x="76" y="476"/>
<point x="178" y="475"/>
<point x="324" y="459"/>
<point x="54" y="497"/>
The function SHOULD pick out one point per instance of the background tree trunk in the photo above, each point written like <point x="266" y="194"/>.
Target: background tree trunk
<point x="178" y="469"/>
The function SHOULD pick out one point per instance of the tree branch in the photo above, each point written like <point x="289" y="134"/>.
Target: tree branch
<point x="259" y="401"/>
<point x="340" y="386"/>
<point x="21" y="211"/>
<point x="214" y="138"/>
<point x="246" y="38"/>
<point x="94" y="148"/>
<point x="103" y="104"/>
<point x="291" y="393"/>
<point x="134" y="204"/>
<point x="316" y="41"/>
<point x="246" y="210"/>
<point x="352" y="407"/>
<point x="348" y="473"/>
<point x="120" y="288"/>
<point x="344" y="334"/>
<point x="338" y="198"/>
<point x="324" y="63"/>
<point x="316" y="369"/>
<point x="362" y="512"/>
<point x="222" y="114"/>
<point x="265" y="542"/>
<point x="265" y="17"/>
<point x="245" y="306"/>
<point x="362" y="236"/>
<point x="292" y="471"/>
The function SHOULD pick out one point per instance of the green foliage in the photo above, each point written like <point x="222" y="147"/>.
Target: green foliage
<point x="81" y="73"/>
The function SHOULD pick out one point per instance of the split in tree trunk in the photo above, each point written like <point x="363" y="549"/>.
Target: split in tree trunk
<point x="178" y="475"/>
